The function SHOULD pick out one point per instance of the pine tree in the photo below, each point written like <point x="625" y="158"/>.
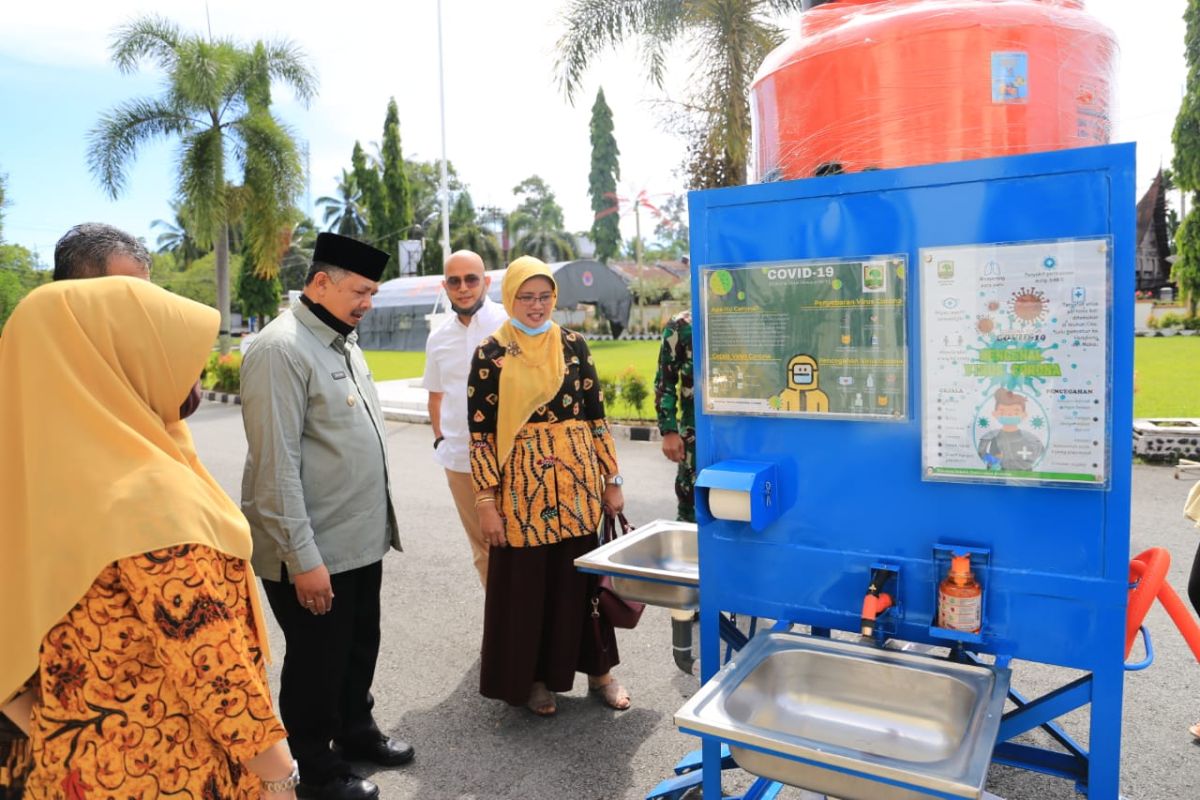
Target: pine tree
<point x="395" y="192"/>
<point x="366" y="174"/>
<point x="602" y="181"/>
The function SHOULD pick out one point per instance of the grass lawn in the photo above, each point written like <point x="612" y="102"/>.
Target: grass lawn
<point x="1168" y="376"/>
<point x="612" y="359"/>
<point x="392" y="365"/>
<point x="1168" y="373"/>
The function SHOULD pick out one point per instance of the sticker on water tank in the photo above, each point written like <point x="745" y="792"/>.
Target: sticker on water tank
<point x="1010" y="77"/>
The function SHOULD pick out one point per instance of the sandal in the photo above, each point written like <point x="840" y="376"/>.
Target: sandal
<point x="612" y="694"/>
<point x="1195" y="730"/>
<point x="541" y="701"/>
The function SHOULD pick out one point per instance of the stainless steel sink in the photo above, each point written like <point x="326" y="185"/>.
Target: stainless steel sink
<point x="657" y="564"/>
<point x="838" y="718"/>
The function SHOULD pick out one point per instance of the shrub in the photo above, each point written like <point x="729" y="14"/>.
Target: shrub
<point x="610" y="388"/>
<point x="224" y="373"/>
<point x="1170" y="320"/>
<point x="633" y="389"/>
<point x="1192" y="323"/>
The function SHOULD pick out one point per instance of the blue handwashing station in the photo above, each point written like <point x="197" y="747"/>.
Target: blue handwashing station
<point x="913" y="405"/>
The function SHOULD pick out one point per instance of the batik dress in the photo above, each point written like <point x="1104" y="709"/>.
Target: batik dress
<point x="153" y="684"/>
<point x="537" y="615"/>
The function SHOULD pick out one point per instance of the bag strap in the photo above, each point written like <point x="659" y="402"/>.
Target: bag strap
<point x="609" y="531"/>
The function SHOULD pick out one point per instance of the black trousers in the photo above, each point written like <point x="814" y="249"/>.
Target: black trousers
<point x="325" y="691"/>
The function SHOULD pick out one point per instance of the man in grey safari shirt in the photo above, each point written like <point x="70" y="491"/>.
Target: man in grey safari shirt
<point x="315" y="490"/>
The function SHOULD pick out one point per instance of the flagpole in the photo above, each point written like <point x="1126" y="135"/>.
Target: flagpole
<point x="445" y="183"/>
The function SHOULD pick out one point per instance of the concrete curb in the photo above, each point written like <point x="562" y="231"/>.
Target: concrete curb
<point x="620" y="430"/>
<point x="222" y="397"/>
<point x="1166" y="332"/>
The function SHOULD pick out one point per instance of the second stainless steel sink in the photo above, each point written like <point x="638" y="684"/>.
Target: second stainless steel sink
<point x="853" y="721"/>
<point x="657" y="564"/>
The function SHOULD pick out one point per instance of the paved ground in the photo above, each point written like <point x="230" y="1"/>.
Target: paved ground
<point x="469" y="748"/>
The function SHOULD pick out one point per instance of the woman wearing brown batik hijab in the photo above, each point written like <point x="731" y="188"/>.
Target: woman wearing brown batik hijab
<point x="544" y="468"/>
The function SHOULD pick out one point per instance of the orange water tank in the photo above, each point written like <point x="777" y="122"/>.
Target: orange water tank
<point x="874" y="84"/>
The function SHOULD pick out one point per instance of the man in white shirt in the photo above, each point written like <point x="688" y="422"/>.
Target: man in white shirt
<point x="448" y="353"/>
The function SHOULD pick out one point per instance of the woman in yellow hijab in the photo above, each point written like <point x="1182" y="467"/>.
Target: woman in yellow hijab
<point x="544" y="467"/>
<point x="129" y="620"/>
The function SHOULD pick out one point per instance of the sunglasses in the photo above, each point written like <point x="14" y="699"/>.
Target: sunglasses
<point x="454" y="281"/>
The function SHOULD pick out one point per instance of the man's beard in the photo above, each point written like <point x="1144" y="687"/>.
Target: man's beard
<point x="469" y="311"/>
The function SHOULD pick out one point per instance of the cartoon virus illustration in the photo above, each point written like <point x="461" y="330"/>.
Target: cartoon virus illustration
<point x="1029" y="306"/>
<point x="1037" y="422"/>
<point x="993" y="305"/>
<point x="721" y="282"/>
<point x="985" y="325"/>
<point x="983" y="422"/>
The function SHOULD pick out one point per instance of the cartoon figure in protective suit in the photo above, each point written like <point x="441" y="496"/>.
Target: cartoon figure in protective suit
<point x="803" y="392"/>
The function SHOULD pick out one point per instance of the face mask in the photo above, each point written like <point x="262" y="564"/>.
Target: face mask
<point x="538" y="331"/>
<point x="1009" y="421"/>
<point x="469" y="312"/>
<point x="189" y="406"/>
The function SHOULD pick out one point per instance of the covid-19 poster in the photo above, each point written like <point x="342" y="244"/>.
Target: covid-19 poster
<point x="1014" y="362"/>
<point x="806" y="338"/>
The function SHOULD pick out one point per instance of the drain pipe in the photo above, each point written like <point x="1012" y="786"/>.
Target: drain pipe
<point x="681" y="640"/>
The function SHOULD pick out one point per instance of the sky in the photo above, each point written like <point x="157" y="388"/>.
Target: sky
<point x="506" y="119"/>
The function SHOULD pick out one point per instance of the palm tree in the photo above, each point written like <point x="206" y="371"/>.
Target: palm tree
<point x="345" y="214"/>
<point x="217" y="104"/>
<point x="176" y="239"/>
<point x="534" y="235"/>
<point x="728" y="39"/>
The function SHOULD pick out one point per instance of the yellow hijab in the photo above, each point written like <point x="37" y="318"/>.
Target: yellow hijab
<point x="96" y="463"/>
<point x="533" y="365"/>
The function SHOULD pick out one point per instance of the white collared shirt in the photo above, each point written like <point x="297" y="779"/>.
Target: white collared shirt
<point x="448" y="354"/>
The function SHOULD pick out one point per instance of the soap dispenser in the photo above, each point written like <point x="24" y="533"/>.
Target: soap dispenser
<point x="960" y="597"/>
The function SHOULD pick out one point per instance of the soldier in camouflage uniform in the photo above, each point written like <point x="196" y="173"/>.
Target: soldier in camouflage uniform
<point x="674" y="402"/>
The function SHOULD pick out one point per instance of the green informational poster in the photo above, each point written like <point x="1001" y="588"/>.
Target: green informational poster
<point x="805" y="338"/>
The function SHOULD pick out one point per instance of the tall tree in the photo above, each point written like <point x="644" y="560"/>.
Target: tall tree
<point x="537" y="223"/>
<point x="216" y="104"/>
<point x="671" y="229"/>
<point x="1186" y="269"/>
<point x="344" y="213"/>
<point x="602" y="181"/>
<point x="728" y="40"/>
<point x="395" y="191"/>
<point x="366" y="175"/>
<point x="1186" y="164"/>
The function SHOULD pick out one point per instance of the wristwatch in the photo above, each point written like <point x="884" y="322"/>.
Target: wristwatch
<point x="616" y="480"/>
<point x="284" y="784"/>
<point x="437" y="441"/>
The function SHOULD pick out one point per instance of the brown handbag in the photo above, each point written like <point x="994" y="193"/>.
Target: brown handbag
<point x="606" y="603"/>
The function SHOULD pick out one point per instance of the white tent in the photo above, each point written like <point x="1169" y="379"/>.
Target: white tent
<point x="403" y="308"/>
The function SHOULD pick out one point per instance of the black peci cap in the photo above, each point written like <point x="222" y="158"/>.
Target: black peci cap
<point x="350" y="254"/>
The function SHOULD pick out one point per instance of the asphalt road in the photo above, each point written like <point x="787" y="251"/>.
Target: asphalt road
<point x="470" y="748"/>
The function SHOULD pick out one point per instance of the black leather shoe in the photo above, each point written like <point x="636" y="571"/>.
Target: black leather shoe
<point x="383" y="751"/>
<point x="343" y="787"/>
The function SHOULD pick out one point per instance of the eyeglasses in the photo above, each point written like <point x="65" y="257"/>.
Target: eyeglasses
<point x="534" y="299"/>
<point x="471" y="280"/>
